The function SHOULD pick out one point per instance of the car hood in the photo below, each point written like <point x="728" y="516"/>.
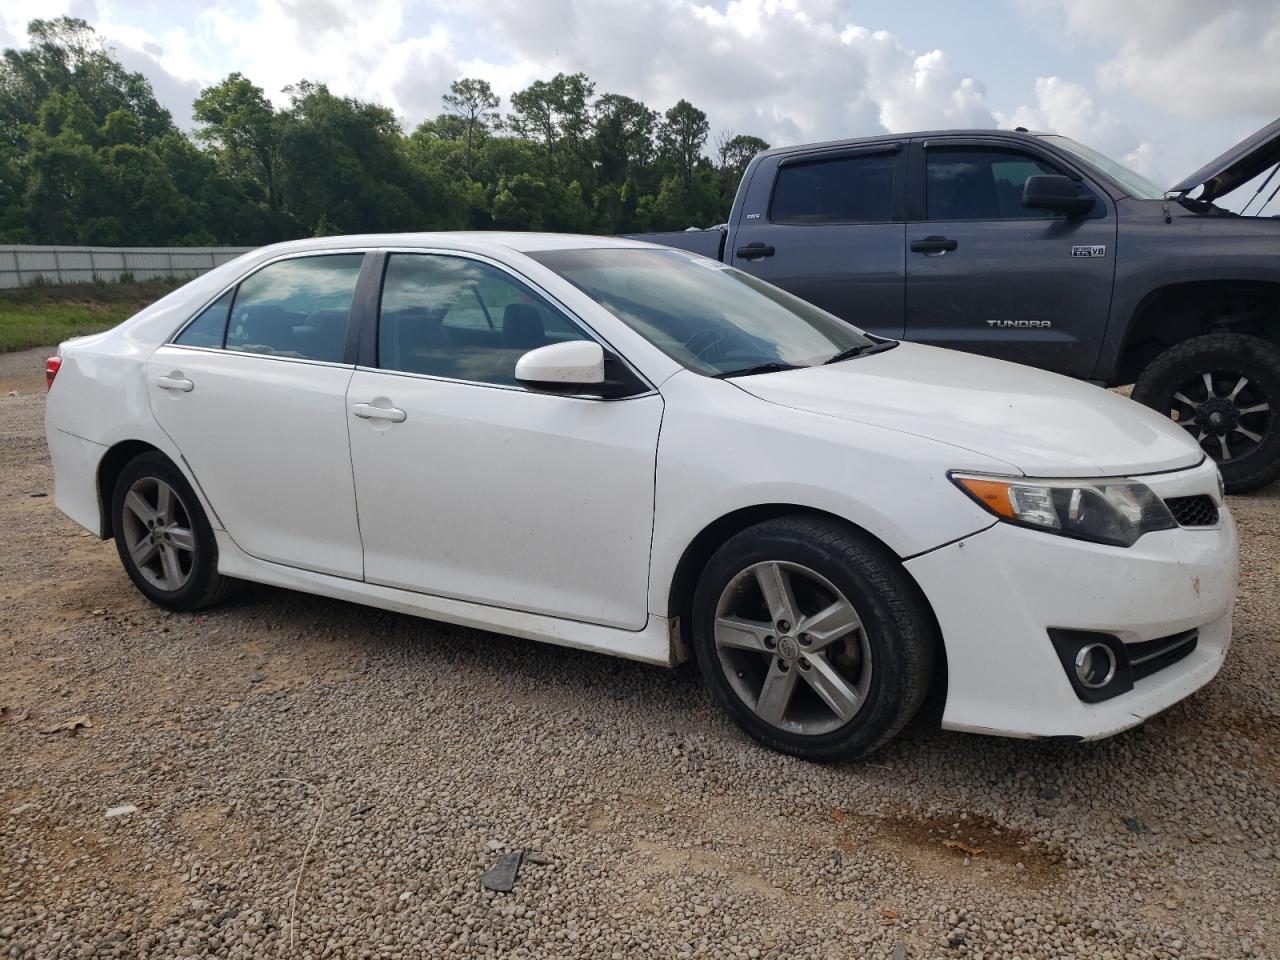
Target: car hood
<point x="1043" y="424"/>
<point x="1240" y="164"/>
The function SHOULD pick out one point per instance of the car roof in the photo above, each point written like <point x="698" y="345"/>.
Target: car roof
<point x="1022" y="134"/>
<point x="469" y="240"/>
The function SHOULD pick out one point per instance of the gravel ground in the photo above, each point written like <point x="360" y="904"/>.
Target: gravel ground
<point x="409" y="755"/>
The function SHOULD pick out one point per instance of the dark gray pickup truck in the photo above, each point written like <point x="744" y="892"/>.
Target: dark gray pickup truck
<point x="1034" y="248"/>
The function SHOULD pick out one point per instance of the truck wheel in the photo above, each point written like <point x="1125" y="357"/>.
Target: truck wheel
<point x="1224" y="388"/>
<point x="813" y="638"/>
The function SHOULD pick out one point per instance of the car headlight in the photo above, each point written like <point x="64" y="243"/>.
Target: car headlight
<point x="1116" y="512"/>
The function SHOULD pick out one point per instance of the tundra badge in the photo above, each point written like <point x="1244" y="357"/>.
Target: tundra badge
<point x="1089" y="250"/>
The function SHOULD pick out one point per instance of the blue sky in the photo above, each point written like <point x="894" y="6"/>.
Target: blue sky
<point x="1162" y="84"/>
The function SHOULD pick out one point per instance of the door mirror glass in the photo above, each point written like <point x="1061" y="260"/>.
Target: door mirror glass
<point x="1056" y="193"/>
<point x="577" y="363"/>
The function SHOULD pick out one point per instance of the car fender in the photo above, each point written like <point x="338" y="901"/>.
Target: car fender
<point x="722" y="451"/>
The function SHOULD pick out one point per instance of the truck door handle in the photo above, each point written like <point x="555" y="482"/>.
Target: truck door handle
<point x="176" y="382"/>
<point x="933" y="245"/>
<point x="367" y="411"/>
<point x="755" y="251"/>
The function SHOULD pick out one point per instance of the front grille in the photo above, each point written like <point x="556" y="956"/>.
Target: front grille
<point x="1151" y="655"/>
<point x="1197" y="511"/>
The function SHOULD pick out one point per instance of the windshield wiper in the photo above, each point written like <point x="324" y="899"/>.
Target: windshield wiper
<point x="862" y="350"/>
<point x="773" y="366"/>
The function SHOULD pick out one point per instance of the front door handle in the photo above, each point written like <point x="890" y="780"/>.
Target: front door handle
<point x="755" y="251"/>
<point x="367" y="411"/>
<point x="933" y="245"/>
<point x="176" y="382"/>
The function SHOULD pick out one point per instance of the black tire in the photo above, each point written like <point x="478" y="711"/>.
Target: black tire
<point x="1227" y="357"/>
<point x="203" y="585"/>
<point x="898" y="632"/>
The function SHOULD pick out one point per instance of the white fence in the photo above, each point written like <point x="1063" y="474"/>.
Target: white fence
<point x="21" y="266"/>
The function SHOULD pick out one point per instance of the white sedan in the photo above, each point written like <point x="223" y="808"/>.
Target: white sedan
<point x="624" y="448"/>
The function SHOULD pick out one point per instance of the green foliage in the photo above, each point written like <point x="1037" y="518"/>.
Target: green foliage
<point x="87" y="155"/>
<point x="44" y="313"/>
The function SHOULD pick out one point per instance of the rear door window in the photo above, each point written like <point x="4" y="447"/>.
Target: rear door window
<point x="296" y="308"/>
<point x="848" y="189"/>
<point x="462" y="319"/>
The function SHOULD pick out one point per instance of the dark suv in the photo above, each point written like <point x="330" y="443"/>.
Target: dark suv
<point x="1035" y="248"/>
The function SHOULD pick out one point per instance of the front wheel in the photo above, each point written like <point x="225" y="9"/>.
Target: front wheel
<point x="1223" y="388"/>
<point x="813" y="638"/>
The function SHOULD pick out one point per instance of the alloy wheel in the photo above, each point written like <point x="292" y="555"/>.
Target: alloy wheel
<point x="793" y="648"/>
<point x="158" y="534"/>
<point x="1227" y="413"/>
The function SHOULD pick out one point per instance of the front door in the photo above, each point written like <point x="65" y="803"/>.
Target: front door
<point x="987" y="275"/>
<point x="472" y="487"/>
<point x="828" y="228"/>
<point x="253" y="393"/>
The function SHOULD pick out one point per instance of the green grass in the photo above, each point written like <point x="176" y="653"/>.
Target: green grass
<point x="41" y="316"/>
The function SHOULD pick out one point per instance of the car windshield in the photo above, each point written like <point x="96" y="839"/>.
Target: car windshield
<point x="711" y="318"/>
<point x="1139" y="187"/>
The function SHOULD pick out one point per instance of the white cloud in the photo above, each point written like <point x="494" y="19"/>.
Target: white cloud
<point x="1068" y="108"/>
<point x="1190" y="57"/>
<point x="784" y="70"/>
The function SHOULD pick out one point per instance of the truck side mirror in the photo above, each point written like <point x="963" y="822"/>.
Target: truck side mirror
<point x="1057" y="193"/>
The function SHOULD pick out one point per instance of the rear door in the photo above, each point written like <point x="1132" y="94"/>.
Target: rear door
<point x="828" y="227"/>
<point x="253" y="393"/>
<point x="987" y="275"/>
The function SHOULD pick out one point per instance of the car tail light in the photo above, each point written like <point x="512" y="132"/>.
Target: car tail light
<point x="51" y="368"/>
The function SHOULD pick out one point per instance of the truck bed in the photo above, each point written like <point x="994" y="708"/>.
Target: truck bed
<point x="708" y="243"/>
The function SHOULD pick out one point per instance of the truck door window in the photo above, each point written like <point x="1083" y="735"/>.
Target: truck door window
<point x="857" y="189"/>
<point x="976" y="184"/>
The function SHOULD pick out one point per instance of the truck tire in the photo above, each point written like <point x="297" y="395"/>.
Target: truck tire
<point x="1224" y="388"/>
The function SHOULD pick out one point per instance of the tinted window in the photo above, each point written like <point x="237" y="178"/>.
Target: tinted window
<point x="208" y="329"/>
<point x="974" y="184"/>
<point x="296" y="308"/>
<point x="841" y="190"/>
<point x="461" y="319"/>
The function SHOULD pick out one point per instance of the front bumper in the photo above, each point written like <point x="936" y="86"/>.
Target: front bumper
<point x="997" y="593"/>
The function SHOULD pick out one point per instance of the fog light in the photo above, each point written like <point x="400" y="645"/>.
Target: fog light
<point x="1095" y="665"/>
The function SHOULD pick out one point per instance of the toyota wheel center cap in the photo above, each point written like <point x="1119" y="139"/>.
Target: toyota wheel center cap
<point x="788" y="648"/>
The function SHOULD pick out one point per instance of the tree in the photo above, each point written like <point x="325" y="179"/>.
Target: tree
<point x="241" y="123"/>
<point x="476" y="104"/>
<point x="88" y="155"/>
<point x="554" y="112"/>
<point x="65" y="55"/>
<point x="683" y="135"/>
<point x="624" y="136"/>
<point x="734" y="152"/>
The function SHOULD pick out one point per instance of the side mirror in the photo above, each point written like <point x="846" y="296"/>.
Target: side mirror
<point x="559" y="366"/>
<point x="1057" y="193"/>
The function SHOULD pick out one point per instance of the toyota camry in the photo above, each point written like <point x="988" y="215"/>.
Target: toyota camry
<point x="630" y="449"/>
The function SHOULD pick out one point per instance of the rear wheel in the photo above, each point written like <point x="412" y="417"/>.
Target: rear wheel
<point x="163" y="536"/>
<point x="1224" y="389"/>
<point x="812" y="638"/>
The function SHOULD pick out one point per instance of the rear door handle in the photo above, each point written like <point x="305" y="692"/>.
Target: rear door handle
<point x="755" y="251"/>
<point x="367" y="411"/>
<point x="933" y="245"/>
<point x="177" y="383"/>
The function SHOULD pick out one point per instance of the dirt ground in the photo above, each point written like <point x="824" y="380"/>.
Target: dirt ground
<point x="317" y="779"/>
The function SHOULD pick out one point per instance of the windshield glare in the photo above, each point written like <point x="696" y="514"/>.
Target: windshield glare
<point x="709" y="317"/>
<point x="1138" y="186"/>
